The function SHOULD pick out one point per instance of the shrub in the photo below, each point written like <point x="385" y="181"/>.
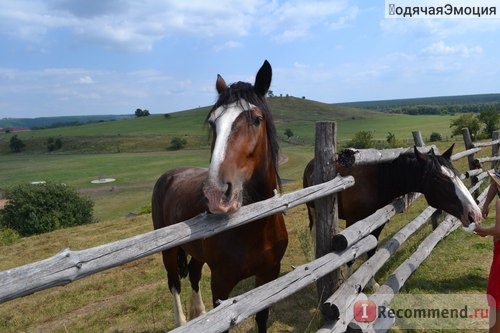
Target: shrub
<point x="35" y="209"/>
<point x="435" y="137"/>
<point x="54" y="144"/>
<point x="16" y="144"/>
<point x="361" y="140"/>
<point x="177" y="143"/>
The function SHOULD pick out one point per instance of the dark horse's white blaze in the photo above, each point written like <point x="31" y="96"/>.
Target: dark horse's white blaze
<point x="471" y="211"/>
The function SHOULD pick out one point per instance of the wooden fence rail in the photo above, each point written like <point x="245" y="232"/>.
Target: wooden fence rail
<point x="234" y="310"/>
<point x="68" y="266"/>
<point x="386" y="292"/>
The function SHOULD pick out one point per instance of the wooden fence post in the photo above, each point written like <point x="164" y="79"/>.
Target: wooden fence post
<point x="494" y="148"/>
<point x="470" y="158"/>
<point x="417" y="139"/>
<point x="326" y="216"/>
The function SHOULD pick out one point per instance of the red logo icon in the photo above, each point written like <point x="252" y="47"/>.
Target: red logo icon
<point x="365" y="311"/>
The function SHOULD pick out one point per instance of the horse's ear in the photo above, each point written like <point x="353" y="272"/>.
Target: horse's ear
<point x="422" y="158"/>
<point x="220" y="84"/>
<point x="263" y="79"/>
<point x="447" y="154"/>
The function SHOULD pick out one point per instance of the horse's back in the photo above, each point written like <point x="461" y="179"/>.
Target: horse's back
<point x="355" y="202"/>
<point x="178" y="196"/>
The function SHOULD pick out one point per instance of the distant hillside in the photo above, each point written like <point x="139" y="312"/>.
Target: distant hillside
<point x="48" y="122"/>
<point x="432" y="105"/>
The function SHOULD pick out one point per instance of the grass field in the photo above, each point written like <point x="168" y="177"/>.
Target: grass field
<point x="134" y="297"/>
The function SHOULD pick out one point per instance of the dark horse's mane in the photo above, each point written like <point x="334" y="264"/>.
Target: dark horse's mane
<point x="243" y="90"/>
<point x="433" y="168"/>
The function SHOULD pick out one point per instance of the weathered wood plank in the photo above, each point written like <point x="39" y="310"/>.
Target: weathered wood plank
<point x="339" y="301"/>
<point x="234" y="310"/>
<point x="464" y="153"/>
<point x="350" y="157"/>
<point x="393" y="284"/>
<point x="494" y="141"/>
<point x="326" y="215"/>
<point x="68" y="266"/>
<point x="364" y="227"/>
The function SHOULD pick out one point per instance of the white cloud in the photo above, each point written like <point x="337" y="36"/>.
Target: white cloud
<point x="228" y="46"/>
<point x="441" y="49"/>
<point x="85" y="80"/>
<point x="137" y="26"/>
<point x="296" y="19"/>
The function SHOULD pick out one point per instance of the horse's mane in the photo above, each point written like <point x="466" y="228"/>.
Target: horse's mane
<point x="433" y="165"/>
<point x="245" y="91"/>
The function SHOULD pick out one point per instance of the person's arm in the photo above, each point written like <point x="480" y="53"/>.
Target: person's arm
<point x="492" y="192"/>
<point x="494" y="230"/>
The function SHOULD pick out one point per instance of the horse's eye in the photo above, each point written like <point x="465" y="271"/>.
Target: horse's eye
<point x="257" y="120"/>
<point x="211" y="123"/>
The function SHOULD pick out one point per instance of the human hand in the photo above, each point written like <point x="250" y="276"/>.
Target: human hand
<point x="480" y="230"/>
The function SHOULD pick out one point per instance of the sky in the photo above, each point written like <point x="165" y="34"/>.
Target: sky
<point x="89" y="57"/>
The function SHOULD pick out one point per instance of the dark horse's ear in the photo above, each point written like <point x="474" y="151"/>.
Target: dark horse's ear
<point x="220" y="84"/>
<point x="421" y="158"/>
<point x="263" y="79"/>
<point x="447" y="154"/>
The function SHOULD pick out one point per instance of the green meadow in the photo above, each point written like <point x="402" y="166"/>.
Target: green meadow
<point x="134" y="297"/>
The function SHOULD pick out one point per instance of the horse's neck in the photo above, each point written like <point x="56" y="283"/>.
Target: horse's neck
<point x="403" y="176"/>
<point x="262" y="186"/>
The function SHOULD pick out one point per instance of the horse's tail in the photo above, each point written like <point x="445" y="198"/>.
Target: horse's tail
<point x="158" y="216"/>
<point x="307" y="180"/>
<point x="157" y="213"/>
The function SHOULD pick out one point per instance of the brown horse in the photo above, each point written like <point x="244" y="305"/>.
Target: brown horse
<point x="377" y="185"/>
<point x="243" y="169"/>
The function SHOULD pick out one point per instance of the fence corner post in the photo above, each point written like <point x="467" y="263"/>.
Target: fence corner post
<point x="326" y="216"/>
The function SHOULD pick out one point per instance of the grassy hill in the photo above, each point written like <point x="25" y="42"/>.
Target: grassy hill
<point x="440" y="100"/>
<point x="42" y="122"/>
<point x="155" y="132"/>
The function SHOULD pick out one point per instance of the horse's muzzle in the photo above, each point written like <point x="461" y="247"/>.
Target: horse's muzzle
<point x="221" y="200"/>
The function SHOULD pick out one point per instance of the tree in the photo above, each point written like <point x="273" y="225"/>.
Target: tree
<point x="435" y="136"/>
<point x="490" y="119"/>
<point x="288" y="133"/>
<point x="16" y="144"/>
<point x="468" y="120"/>
<point x="141" y="113"/>
<point x="35" y="209"/>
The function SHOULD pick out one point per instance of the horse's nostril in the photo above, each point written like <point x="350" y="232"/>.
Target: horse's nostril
<point x="229" y="189"/>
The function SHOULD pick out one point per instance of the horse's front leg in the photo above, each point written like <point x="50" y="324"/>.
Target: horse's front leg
<point x="197" y="306"/>
<point x="222" y="283"/>
<point x="262" y="316"/>
<point x="170" y="261"/>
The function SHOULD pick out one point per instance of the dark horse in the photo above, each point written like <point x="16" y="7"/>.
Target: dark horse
<point x="243" y="169"/>
<point x="377" y="185"/>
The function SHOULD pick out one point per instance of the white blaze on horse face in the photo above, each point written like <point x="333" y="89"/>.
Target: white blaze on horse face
<point x="472" y="209"/>
<point x="223" y="118"/>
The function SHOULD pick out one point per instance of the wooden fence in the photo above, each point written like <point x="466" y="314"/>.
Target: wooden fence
<point x="68" y="266"/>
